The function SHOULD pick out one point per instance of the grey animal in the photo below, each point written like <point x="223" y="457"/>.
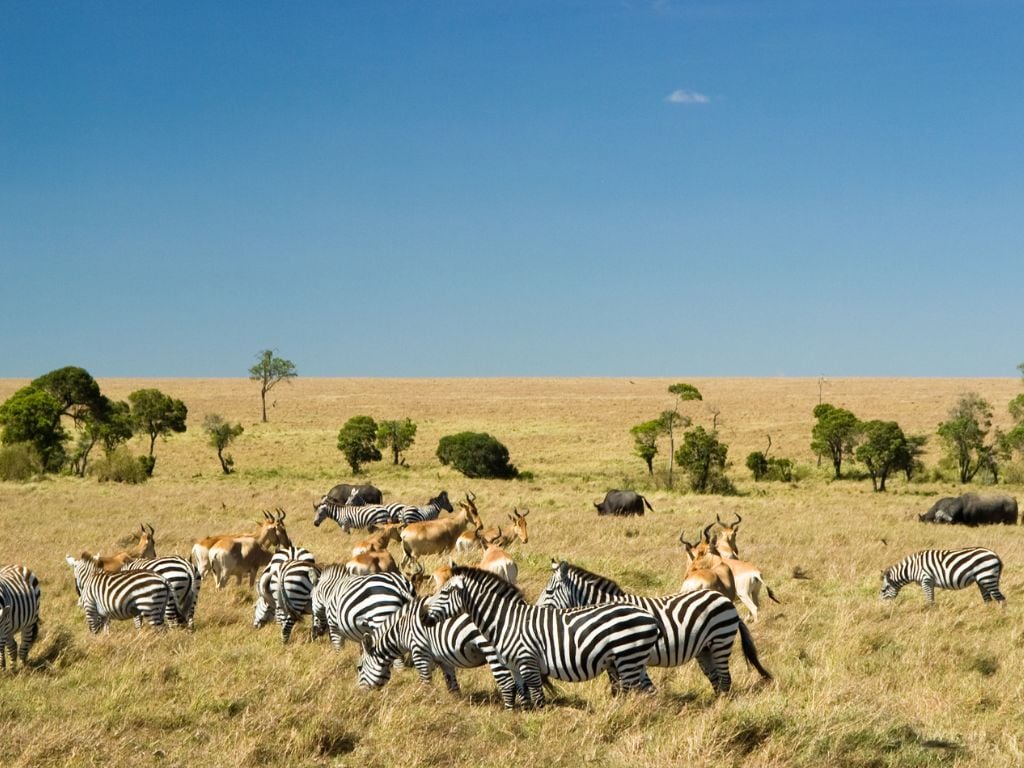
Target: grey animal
<point x="972" y="509"/>
<point x="354" y="495"/>
<point x="622" y="503"/>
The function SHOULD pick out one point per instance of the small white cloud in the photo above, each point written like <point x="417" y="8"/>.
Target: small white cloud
<point x="683" y="96"/>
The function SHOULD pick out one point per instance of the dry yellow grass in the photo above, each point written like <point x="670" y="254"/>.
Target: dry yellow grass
<point x="858" y="682"/>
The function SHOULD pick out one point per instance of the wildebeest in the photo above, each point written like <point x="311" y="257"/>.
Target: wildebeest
<point x="355" y="495"/>
<point x="972" y="509"/>
<point x="622" y="503"/>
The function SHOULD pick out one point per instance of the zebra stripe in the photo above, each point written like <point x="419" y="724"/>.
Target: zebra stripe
<point x="122" y="595"/>
<point x="19" y="612"/>
<point x="455" y="643"/>
<point x="353" y="606"/>
<point x="286" y="593"/>
<point x="947" y="569"/>
<point x="700" y="624"/>
<point x="570" y="645"/>
<point x="185" y="583"/>
<point x="429" y="511"/>
<point x="349" y="517"/>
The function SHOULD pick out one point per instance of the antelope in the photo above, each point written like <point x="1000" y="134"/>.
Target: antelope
<point x="706" y="569"/>
<point x="432" y="537"/>
<point x="746" y="576"/>
<point x="146" y="547"/>
<point x="471" y="540"/>
<point x="497" y="560"/>
<point x="238" y="555"/>
<point x="372" y="561"/>
<point x="201" y="548"/>
<point x="378" y="540"/>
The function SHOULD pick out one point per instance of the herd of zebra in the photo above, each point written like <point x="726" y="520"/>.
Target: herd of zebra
<point x="582" y="625"/>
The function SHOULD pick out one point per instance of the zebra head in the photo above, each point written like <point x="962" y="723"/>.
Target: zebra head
<point x="322" y="512"/>
<point x="441" y="502"/>
<point x="890" y="587"/>
<point x="557" y="592"/>
<point x="448" y="602"/>
<point x="263" y="613"/>
<point x="374" y="664"/>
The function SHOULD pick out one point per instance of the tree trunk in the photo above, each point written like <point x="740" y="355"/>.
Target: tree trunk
<point x="263" y="399"/>
<point x="152" y="442"/>
<point x="394" y="454"/>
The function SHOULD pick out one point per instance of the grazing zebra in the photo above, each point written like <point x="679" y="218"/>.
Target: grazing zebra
<point x="285" y="592"/>
<point x="948" y="569"/>
<point x="701" y="624"/>
<point x="133" y="595"/>
<point x="19" y="612"/>
<point x="349" y="517"/>
<point x="355" y="605"/>
<point x="455" y="643"/>
<point x="533" y="641"/>
<point x="184" y="580"/>
<point x="429" y="511"/>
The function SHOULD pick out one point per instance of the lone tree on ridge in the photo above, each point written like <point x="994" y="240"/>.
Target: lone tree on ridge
<point x="268" y="372"/>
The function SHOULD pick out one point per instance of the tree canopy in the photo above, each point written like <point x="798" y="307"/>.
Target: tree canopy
<point x="156" y="414"/>
<point x="883" y="446"/>
<point x="965" y="432"/>
<point x="835" y="435"/>
<point x="396" y="436"/>
<point x="268" y="371"/>
<point x="221" y="433"/>
<point x="357" y="441"/>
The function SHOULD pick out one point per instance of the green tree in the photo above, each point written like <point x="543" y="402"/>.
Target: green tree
<point x="76" y="391"/>
<point x="882" y="447"/>
<point x="671" y="419"/>
<point x="1014" y="439"/>
<point x="221" y="434"/>
<point x="357" y="440"/>
<point x="268" y="371"/>
<point x="645" y="441"/>
<point x="476" y="454"/>
<point x="396" y="436"/>
<point x="155" y="414"/>
<point x="965" y="432"/>
<point x="757" y="463"/>
<point x="32" y="415"/>
<point x="703" y="457"/>
<point x="115" y="427"/>
<point x="909" y="460"/>
<point x="835" y="434"/>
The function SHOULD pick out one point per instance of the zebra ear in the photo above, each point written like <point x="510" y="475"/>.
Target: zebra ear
<point x="71" y="560"/>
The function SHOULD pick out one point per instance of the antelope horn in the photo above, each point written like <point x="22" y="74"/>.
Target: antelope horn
<point x="524" y="513"/>
<point x="151" y="531"/>
<point x="719" y="520"/>
<point x="738" y="520"/>
<point x="470" y="496"/>
<point x="683" y="541"/>
<point x="283" y="515"/>
<point x="707" y="531"/>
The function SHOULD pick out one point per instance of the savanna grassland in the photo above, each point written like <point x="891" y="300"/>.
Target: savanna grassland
<point x="856" y="682"/>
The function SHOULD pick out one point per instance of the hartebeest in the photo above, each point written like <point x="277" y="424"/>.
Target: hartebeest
<point x="747" y="579"/>
<point x="433" y="537"/>
<point x="705" y="569"/>
<point x="235" y="556"/>
<point x="497" y="560"/>
<point x="471" y="540"/>
<point x="201" y="548"/>
<point x="146" y="547"/>
<point x="372" y="561"/>
<point x="378" y="540"/>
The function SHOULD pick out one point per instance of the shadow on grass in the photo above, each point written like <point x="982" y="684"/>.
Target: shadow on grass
<point x="58" y="652"/>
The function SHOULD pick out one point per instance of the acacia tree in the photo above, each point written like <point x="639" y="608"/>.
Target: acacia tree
<point x="112" y="430"/>
<point x="357" y="440"/>
<point x="965" y="433"/>
<point x="397" y="436"/>
<point x="221" y="434"/>
<point x="268" y="371"/>
<point x="645" y="441"/>
<point x="155" y="414"/>
<point x="671" y="419"/>
<point x="1014" y="439"/>
<point x="703" y="457"/>
<point x="882" y="449"/>
<point x="835" y="434"/>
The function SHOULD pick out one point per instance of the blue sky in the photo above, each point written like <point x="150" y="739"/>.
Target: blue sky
<point x="513" y="188"/>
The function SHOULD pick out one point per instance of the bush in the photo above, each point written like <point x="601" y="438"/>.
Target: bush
<point x="476" y="454"/>
<point x="120" y="466"/>
<point x="20" y="462"/>
<point x="703" y="457"/>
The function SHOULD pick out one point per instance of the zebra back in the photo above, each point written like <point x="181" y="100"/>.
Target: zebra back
<point x="359" y="604"/>
<point x="184" y="580"/>
<point x="19" y="612"/>
<point x="120" y="595"/>
<point x="349" y="517"/>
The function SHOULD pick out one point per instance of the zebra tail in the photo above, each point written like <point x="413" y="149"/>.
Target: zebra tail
<point x="750" y="651"/>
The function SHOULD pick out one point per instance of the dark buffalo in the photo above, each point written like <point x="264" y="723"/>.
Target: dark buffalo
<point x="972" y="509"/>
<point x="622" y="503"/>
<point x="355" y="495"/>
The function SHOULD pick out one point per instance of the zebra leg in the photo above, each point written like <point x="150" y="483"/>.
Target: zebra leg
<point x="707" y="666"/>
<point x="286" y="629"/>
<point x="3" y="652"/>
<point x="533" y="685"/>
<point x="990" y="591"/>
<point x="928" y="587"/>
<point x="28" y="637"/>
<point x="718" y="655"/>
<point x="449" y="678"/>
<point x="424" y="665"/>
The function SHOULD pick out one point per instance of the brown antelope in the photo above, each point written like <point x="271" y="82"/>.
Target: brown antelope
<point x="471" y="540"/>
<point x="433" y="537"/>
<point x="372" y="561"/>
<point x="379" y="539"/>
<point x="201" y="548"/>
<point x="497" y="560"/>
<point x="238" y="555"/>
<point x="146" y="547"/>
<point x="705" y="569"/>
<point x="746" y="575"/>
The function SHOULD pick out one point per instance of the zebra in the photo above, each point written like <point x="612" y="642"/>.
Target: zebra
<point x="429" y="511"/>
<point x="948" y="569"/>
<point x="349" y="517"/>
<point x="184" y="580"/>
<point x="571" y="645"/>
<point x="285" y="592"/>
<point x="450" y="644"/>
<point x="19" y="612"/>
<point x="133" y="595"/>
<point x="349" y="606"/>
<point x="701" y="624"/>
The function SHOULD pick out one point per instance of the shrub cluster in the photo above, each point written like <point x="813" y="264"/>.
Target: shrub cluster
<point x="476" y="454"/>
<point x="20" y="462"/>
<point x="120" y="466"/>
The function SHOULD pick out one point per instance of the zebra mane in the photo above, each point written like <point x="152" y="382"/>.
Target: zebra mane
<point x="489" y="581"/>
<point x="602" y="581"/>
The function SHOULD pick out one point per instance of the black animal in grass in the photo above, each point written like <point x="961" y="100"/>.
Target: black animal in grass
<point x="972" y="509"/>
<point x="355" y="495"/>
<point x="622" y="503"/>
